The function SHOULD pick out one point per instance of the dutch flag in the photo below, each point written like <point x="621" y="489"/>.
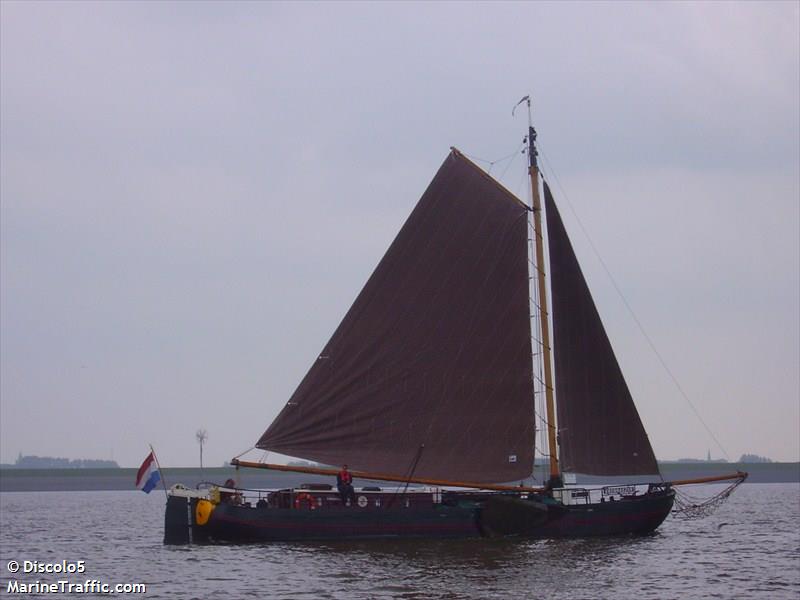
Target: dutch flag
<point x="148" y="476"/>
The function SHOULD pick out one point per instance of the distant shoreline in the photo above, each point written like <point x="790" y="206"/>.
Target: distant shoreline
<point x="55" y="480"/>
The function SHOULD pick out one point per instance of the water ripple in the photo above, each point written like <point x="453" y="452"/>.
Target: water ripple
<point x="749" y="548"/>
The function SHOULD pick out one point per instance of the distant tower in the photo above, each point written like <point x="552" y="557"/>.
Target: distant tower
<point x="708" y="456"/>
<point x="202" y="436"/>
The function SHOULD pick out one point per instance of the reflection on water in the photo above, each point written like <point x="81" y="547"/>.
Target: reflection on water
<point x="749" y="548"/>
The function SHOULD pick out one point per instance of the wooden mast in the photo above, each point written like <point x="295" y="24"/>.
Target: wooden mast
<point x="533" y="171"/>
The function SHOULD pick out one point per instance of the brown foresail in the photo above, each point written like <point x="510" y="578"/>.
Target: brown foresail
<point x="430" y="370"/>
<point x="600" y="432"/>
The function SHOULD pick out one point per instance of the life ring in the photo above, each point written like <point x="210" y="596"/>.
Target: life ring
<point x="305" y="497"/>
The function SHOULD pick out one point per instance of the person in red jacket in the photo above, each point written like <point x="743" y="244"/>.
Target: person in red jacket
<point x="344" y="483"/>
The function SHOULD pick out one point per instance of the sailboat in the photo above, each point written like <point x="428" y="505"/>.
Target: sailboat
<point x="430" y="381"/>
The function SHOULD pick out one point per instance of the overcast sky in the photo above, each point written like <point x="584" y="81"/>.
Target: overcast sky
<point x="193" y="194"/>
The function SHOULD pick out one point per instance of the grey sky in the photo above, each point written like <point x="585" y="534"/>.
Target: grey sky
<point x="193" y="194"/>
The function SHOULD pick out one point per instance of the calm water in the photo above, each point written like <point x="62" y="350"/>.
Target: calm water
<point x="749" y="548"/>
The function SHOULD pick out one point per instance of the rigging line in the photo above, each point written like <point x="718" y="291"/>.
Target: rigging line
<point x="520" y="183"/>
<point x="628" y="306"/>
<point x="483" y="160"/>
<point x="513" y="157"/>
<point x="491" y="163"/>
<point x="245" y="452"/>
<point x="409" y="475"/>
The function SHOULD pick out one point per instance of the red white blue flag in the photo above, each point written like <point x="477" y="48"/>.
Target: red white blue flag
<point x="148" y="476"/>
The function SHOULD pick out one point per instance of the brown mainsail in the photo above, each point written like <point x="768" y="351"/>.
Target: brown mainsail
<point x="600" y="432"/>
<point x="430" y="370"/>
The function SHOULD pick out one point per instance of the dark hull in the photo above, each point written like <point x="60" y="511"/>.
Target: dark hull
<point x="499" y="516"/>
<point x="239" y="524"/>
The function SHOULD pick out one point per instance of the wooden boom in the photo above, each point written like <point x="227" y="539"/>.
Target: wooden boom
<point x="384" y="477"/>
<point x="441" y="482"/>
<point x="738" y="475"/>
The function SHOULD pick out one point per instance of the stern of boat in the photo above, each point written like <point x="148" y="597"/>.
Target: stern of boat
<point x="184" y="508"/>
